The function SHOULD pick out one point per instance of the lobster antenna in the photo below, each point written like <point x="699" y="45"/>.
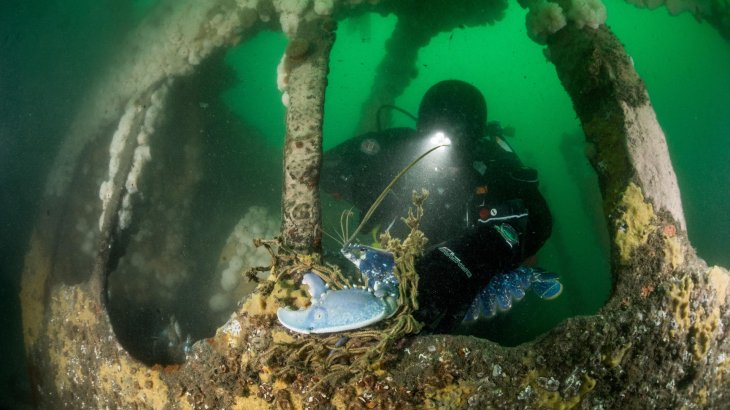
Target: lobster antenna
<point x="345" y="225"/>
<point x="341" y="235"/>
<point x="334" y="238"/>
<point x="387" y="189"/>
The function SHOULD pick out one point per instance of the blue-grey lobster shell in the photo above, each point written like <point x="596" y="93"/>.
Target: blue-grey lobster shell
<point x="349" y="308"/>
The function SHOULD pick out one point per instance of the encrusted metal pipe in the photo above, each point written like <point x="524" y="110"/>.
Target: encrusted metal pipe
<point x="303" y="79"/>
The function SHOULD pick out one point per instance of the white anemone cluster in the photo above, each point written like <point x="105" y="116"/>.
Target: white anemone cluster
<point x="291" y="12"/>
<point x="163" y="46"/>
<point x="587" y="13"/>
<point x="87" y="234"/>
<point x="543" y="19"/>
<point x="119" y="141"/>
<point x="240" y="254"/>
<point x="546" y="17"/>
<point x="155" y="272"/>
<point x="324" y="7"/>
<point x="282" y="80"/>
<point x="141" y="156"/>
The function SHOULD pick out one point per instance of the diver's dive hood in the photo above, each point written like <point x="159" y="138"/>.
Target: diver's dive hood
<point x="455" y="108"/>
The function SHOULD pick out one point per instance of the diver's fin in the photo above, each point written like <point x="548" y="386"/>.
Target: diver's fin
<point x="484" y="306"/>
<point x="503" y="289"/>
<point x="514" y="285"/>
<point x="546" y="285"/>
<point x="547" y="290"/>
<point x="539" y="275"/>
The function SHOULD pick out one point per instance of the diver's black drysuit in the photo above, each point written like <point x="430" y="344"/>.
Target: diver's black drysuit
<point x="484" y="215"/>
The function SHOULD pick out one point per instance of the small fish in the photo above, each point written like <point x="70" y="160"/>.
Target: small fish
<point x="340" y="342"/>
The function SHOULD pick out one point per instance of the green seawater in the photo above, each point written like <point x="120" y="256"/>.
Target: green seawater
<point x="50" y="53"/>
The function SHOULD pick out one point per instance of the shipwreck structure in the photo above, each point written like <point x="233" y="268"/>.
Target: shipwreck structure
<point x="661" y="340"/>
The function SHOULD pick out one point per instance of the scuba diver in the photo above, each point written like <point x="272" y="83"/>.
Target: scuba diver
<point x="484" y="215"/>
